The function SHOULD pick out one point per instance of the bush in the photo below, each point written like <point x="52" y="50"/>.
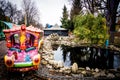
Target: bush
<point x="90" y="28"/>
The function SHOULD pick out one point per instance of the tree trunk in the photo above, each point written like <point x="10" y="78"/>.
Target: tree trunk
<point x="112" y="6"/>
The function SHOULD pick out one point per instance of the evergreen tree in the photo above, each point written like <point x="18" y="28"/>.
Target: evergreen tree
<point x="64" y="19"/>
<point x="75" y="10"/>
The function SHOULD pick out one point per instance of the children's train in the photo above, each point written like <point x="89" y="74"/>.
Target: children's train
<point x="23" y="44"/>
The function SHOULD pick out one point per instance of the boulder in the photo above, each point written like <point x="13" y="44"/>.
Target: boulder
<point x="83" y="72"/>
<point x="44" y="62"/>
<point x="87" y="68"/>
<point x="96" y="70"/>
<point x="51" y="62"/>
<point x="74" y="67"/>
<point x="49" y="66"/>
<point x="110" y="75"/>
<point x="60" y="64"/>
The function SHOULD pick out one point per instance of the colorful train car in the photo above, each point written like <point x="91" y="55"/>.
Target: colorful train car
<point x="22" y="43"/>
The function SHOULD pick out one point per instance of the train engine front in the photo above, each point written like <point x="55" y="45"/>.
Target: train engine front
<point x="22" y="43"/>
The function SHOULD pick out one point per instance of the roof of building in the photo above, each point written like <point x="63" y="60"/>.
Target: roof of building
<point x="56" y="27"/>
<point x="10" y="25"/>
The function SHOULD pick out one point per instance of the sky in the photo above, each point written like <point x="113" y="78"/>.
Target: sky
<point x="50" y="10"/>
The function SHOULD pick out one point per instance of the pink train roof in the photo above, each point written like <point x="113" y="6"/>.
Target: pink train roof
<point x="18" y="28"/>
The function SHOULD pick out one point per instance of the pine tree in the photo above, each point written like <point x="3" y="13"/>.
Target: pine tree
<point x="75" y="10"/>
<point x="64" y="19"/>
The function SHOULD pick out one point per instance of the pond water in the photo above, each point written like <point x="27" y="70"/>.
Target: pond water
<point x="88" y="56"/>
<point x="58" y="56"/>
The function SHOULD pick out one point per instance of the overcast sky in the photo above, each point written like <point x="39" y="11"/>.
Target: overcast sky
<point x="50" y="10"/>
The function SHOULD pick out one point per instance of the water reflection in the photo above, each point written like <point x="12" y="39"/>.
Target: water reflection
<point x="87" y="56"/>
<point x="58" y="56"/>
<point x="67" y="61"/>
<point x="116" y="61"/>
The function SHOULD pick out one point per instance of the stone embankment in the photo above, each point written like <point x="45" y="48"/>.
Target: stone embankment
<point x="57" y="68"/>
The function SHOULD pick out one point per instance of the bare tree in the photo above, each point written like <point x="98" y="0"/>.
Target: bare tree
<point x="91" y="6"/>
<point x="3" y="7"/>
<point x="13" y="12"/>
<point x="30" y="12"/>
<point x="76" y="8"/>
<point x="10" y="11"/>
<point x="112" y="6"/>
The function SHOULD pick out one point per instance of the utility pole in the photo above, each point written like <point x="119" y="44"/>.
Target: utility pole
<point x="25" y="19"/>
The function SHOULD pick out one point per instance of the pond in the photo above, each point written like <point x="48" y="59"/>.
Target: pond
<point x="93" y="57"/>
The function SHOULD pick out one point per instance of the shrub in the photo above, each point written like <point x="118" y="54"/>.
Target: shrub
<point x="91" y="28"/>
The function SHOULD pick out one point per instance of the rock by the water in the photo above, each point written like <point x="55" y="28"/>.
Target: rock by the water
<point x="74" y="67"/>
<point x="97" y="75"/>
<point x="96" y="70"/>
<point x="110" y="75"/>
<point x="102" y="74"/>
<point x="83" y="72"/>
<point x="67" y="71"/>
<point x="44" y="62"/>
<point x="60" y="64"/>
<point x="87" y="68"/>
<point x="81" y="68"/>
<point x="49" y="66"/>
<point x="51" y="62"/>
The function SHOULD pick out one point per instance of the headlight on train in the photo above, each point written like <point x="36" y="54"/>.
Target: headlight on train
<point x="9" y="62"/>
<point x="36" y="59"/>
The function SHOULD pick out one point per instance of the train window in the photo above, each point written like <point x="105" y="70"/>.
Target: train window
<point x="16" y="36"/>
<point x="15" y="40"/>
<point x="29" y="40"/>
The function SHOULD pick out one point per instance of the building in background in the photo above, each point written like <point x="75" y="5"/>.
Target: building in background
<point x="55" y="29"/>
